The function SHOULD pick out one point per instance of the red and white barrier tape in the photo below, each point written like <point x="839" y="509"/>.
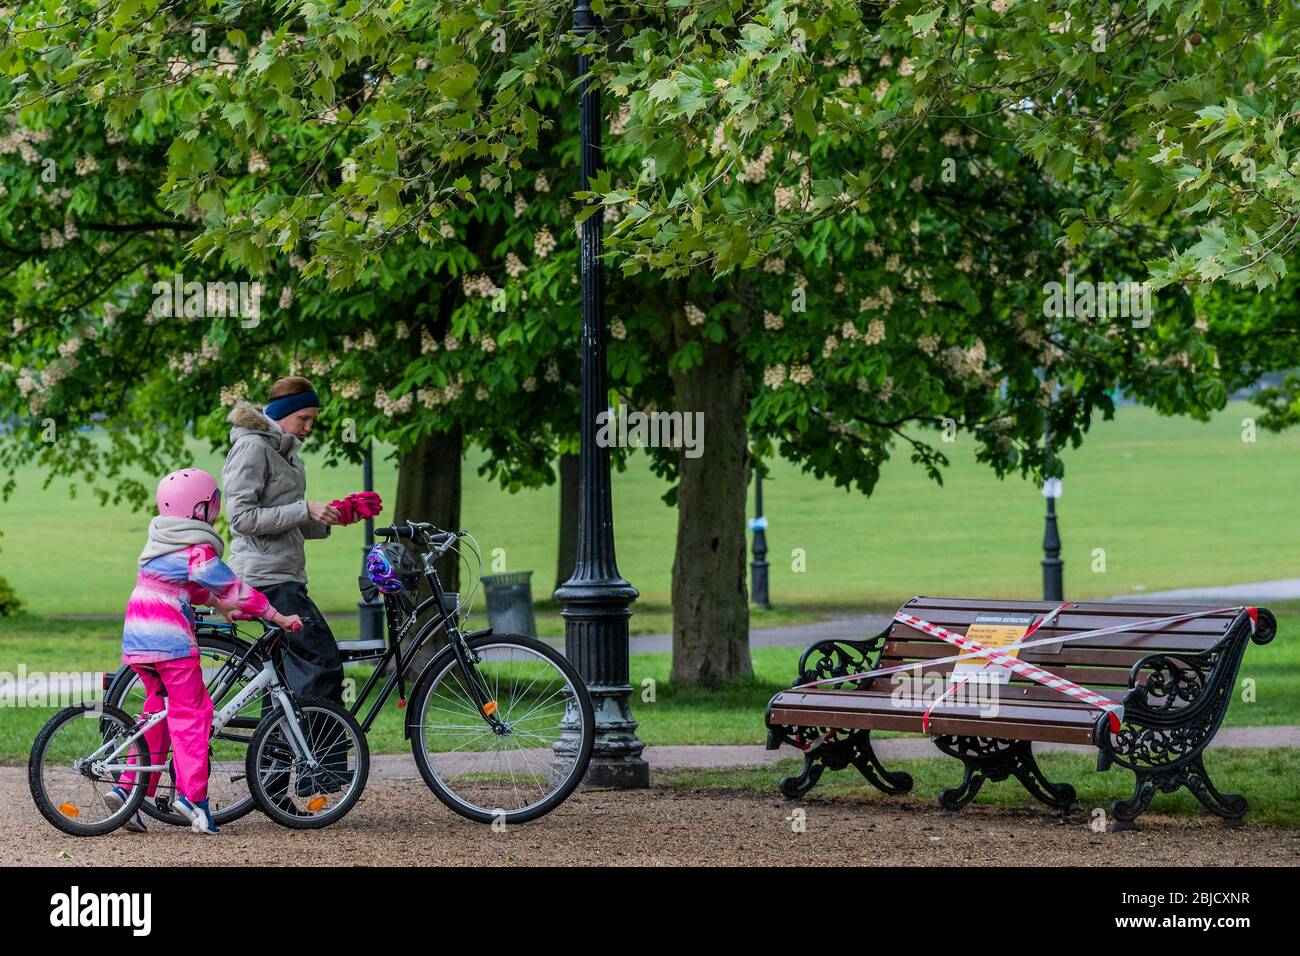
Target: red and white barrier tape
<point x="925" y="718"/>
<point x="1016" y="665"/>
<point x="977" y="650"/>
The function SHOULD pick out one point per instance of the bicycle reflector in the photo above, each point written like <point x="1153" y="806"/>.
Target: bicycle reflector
<point x="389" y="567"/>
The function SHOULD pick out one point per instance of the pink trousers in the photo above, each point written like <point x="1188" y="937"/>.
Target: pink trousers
<point x="185" y="730"/>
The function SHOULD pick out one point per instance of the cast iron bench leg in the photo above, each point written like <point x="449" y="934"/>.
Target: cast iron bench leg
<point x="795" y="787"/>
<point x="952" y="800"/>
<point x="1124" y="812"/>
<point x="1231" y="807"/>
<point x="864" y="758"/>
<point x="836" y="755"/>
<point x="991" y="758"/>
<point x="1058" y="796"/>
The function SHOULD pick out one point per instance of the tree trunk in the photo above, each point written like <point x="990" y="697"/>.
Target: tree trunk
<point x="428" y="489"/>
<point x="567" y="552"/>
<point x="710" y="593"/>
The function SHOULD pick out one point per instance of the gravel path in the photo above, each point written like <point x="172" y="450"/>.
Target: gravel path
<point x="398" y="822"/>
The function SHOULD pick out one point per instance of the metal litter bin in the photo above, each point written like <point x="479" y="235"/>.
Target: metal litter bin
<point x="509" y="600"/>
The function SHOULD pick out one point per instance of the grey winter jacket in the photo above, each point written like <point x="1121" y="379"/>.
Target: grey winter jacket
<point x="264" y="490"/>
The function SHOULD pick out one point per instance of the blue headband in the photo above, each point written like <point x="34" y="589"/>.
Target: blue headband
<point x="279" y="408"/>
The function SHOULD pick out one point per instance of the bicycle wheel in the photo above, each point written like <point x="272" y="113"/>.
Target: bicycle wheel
<point x="287" y="789"/>
<point x="228" y="794"/>
<point x="538" y="755"/>
<point x="66" y="775"/>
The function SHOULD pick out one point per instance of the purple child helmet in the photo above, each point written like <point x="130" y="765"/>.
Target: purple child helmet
<point x="389" y="567"/>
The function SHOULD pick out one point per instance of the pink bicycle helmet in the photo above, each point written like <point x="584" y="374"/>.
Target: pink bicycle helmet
<point x="189" y="493"/>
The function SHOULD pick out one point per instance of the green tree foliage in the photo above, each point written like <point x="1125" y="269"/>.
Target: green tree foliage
<point x="837" y="225"/>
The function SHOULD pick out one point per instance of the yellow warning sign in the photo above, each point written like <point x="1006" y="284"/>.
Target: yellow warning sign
<point x="993" y="630"/>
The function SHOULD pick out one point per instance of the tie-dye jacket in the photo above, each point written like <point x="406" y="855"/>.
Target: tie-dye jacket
<point x="160" y="614"/>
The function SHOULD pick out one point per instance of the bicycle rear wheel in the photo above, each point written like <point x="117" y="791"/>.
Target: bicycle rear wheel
<point x="526" y="765"/>
<point x="68" y="784"/>
<point x="228" y="794"/>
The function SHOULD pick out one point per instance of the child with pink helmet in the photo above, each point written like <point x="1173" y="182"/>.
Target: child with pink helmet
<point x="181" y="566"/>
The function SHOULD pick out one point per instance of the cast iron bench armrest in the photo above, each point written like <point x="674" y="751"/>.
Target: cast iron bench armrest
<point x="1175" y="676"/>
<point x="1190" y="677"/>
<point x="841" y="657"/>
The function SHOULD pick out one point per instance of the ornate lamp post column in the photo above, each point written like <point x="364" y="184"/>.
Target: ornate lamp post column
<point x="372" y="612"/>
<point x="596" y="599"/>
<point x="758" y="567"/>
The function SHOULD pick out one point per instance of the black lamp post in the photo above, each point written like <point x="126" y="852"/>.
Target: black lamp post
<point x="372" y="612"/>
<point x="1053" y="566"/>
<point x="758" y="567"/>
<point x="596" y="599"/>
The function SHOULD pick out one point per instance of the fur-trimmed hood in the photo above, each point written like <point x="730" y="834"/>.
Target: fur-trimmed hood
<point x="248" y="419"/>
<point x="247" y="415"/>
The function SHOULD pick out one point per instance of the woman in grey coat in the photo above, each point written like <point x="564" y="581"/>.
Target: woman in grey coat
<point x="265" y="489"/>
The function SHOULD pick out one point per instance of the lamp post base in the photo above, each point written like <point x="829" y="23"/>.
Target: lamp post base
<point x="372" y="620"/>
<point x="596" y="642"/>
<point x="616" y="761"/>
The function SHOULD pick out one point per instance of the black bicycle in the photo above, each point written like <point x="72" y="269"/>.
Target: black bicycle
<point x="501" y="725"/>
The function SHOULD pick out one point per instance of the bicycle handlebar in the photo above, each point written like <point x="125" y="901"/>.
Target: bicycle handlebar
<point x="419" y="531"/>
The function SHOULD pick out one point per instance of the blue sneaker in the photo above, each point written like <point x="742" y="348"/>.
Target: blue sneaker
<point x="116" y="799"/>
<point x="197" y="813"/>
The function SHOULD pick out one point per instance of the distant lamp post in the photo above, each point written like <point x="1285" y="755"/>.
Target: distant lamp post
<point x="372" y="611"/>
<point x="1053" y="566"/>
<point x="758" y="567"/>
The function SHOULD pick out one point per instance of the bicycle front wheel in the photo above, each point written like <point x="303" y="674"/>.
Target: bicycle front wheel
<point x="525" y="763"/>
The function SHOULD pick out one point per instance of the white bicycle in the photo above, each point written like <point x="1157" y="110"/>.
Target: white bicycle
<point x="306" y="763"/>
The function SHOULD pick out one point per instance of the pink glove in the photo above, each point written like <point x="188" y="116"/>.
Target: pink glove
<point x="366" y="504"/>
<point x="347" y="513"/>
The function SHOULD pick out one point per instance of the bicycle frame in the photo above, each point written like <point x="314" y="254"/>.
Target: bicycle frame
<point x="267" y="679"/>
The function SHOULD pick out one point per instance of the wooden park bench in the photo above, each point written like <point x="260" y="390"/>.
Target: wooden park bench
<point x="1173" y="680"/>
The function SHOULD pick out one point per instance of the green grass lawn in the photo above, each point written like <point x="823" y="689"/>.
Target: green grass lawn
<point x="667" y="715"/>
<point x="1171" y="502"/>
